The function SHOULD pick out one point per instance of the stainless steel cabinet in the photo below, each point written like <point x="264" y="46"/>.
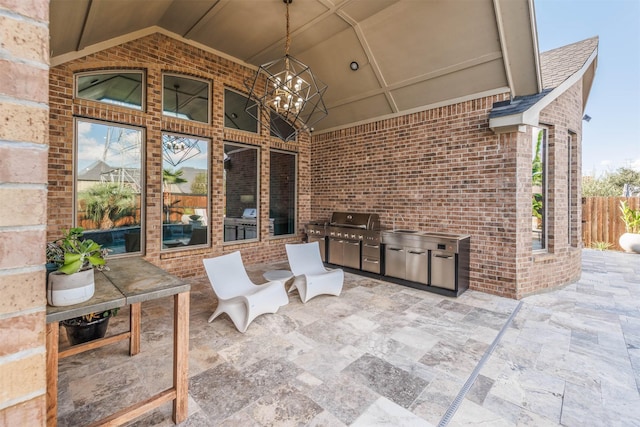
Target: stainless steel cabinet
<point x="395" y="262"/>
<point x="371" y="257"/>
<point x="443" y="269"/>
<point x="417" y="265"/>
<point x="344" y="252"/>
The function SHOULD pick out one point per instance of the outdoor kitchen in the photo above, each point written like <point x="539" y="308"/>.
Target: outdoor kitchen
<point x="432" y="261"/>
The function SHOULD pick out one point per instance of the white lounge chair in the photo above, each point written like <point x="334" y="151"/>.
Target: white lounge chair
<point x="237" y="295"/>
<point x="311" y="277"/>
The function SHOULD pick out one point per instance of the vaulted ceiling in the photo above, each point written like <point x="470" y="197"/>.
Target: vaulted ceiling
<point x="412" y="54"/>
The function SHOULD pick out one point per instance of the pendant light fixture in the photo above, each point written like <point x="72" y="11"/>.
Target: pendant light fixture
<point x="286" y="90"/>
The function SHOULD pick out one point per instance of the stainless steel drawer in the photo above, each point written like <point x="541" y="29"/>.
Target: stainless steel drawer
<point x="369" y="250"/>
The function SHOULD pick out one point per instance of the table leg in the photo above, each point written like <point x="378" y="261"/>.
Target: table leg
<point x="52" y="336"/>
<point x="135" y="314"/>
<point x="181" y="356"/>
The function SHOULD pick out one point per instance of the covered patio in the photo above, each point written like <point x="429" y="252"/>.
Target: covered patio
<point x="133" y="120"/>
<point x="388" y="355"/>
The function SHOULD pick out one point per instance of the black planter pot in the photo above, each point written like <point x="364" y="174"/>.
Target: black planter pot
<point x="81" y="332"/>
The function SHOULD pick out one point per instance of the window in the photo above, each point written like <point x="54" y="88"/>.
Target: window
<point x="539" y="188"/>
<point x="124" y="88"/>
<point x="185" y="191"/>
<point x="572" y="190"/>
<point x="281" y="128"/>
<point x="108" y="190"/>
<point x="241" y="192"/>
<point x="282" y="192"/>
<point x="235" y="116"/>
<point x="185" y="98"/>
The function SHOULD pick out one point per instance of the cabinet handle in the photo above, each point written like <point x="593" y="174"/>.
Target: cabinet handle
<point x="444" y="256"/>
<point x="417" y="253"/>
<point x="371" y="246"/>
<point x="373" y="261"/>
<point x="395" y="249"/>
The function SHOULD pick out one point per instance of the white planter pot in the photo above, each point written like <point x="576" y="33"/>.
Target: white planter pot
<point x="630" y="242"/>
<point x="68" y="289"/>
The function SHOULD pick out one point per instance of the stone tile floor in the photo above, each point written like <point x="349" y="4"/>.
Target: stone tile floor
<point x="387" y="355"/>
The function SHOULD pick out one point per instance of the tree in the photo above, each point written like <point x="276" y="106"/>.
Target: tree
<point x="199" y="184"/>
<point x="171" y="178"/>
<point x="107" y="202"/>
<point x="611" y="184"/>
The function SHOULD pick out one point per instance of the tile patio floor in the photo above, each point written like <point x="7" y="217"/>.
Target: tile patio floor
<point x="387" y="355"/>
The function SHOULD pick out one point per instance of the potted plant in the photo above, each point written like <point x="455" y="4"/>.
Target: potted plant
<point x="73" y="260"/>
<point x="630" y="241"/>
<point x="88" y="327"/>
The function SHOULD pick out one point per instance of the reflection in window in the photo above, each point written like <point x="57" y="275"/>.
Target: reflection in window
<point x="539" y="184"/>
<point x="185" y="190"/>
<point x="241" y="192"/>
<point x="124" y="88"/>
<point x="281" y="128"/>
<point x="282" y="192"/>
<point x="185" y="98"/>
<point x="235" y="115"/>
<point x="108" y="184"/>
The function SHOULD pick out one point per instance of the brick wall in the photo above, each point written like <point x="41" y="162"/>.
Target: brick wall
<point x="445" y="170"/>
<point x="438" y="170"/>
<point x="561" y="264"/>
<point x="24" y="66"/>
<point x="156" y="54"/>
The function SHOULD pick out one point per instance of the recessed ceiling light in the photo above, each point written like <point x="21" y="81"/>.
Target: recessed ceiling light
<point x="354" y="66"/>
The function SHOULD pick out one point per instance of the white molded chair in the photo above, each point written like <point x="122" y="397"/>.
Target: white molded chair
<point x="237" y="295"/>
<point x="311" y="277"/>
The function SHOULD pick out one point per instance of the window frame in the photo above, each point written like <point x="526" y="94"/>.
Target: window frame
<point x="258" y="152"/>
<point x="544" y="158"/>
<point x="208" y="243"/>
<point x="143" y="86"/>
<point x="295" y="192"/>
<point x="187" y="77"/>
<point x="258" y="111"/>
<point x="142" y="182"/>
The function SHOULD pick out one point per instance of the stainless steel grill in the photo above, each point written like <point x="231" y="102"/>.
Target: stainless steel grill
<point x="354" y="240"/>
<point x="349" y="239"/>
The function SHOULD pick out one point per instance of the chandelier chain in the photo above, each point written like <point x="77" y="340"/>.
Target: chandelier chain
<point x="287" y="42"/>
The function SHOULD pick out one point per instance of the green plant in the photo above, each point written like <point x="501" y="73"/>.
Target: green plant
<point x="536" y="205"/>
<point x="71" y="253"/>
<point x="601" y="246"/>
<point x="107" y="202"/>
<point x="631" y="217"/>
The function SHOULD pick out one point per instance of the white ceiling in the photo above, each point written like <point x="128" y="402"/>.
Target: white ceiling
<point x="413" y="54"/>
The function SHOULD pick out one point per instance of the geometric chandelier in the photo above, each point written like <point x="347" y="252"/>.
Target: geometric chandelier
<point x="287" y="93"/>
<point x="179" y="149"/>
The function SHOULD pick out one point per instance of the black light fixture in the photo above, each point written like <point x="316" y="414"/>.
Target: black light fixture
<point x="586" y="118"/>
<point x="287" y="88"/>
<point x="354" y="66"/>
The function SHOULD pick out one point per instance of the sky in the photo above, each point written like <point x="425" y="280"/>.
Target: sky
<point x="611" y="139"/>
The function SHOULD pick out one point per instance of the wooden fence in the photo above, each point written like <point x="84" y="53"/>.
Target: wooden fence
<point x="602" y="219"/>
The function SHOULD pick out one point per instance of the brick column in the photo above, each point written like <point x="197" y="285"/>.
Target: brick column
<point x="24" y="68"/>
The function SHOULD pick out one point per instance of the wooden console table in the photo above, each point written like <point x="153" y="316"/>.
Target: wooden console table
<point x="130" y="281"/>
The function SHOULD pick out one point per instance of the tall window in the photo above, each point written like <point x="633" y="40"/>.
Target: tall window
<point x="235" y="115"/>
<point x="572" y="190"/>
<point x="185" y="98"/>
<point x="108" y="190"/>
<point x="124" y="88"/>
<point x="185" y="191"/>
<point x="539" y="188"/>
<point x="282" y="192"/>
<point x="241" y="192"/>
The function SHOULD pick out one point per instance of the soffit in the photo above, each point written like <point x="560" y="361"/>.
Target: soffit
<point x="412" y="53"/>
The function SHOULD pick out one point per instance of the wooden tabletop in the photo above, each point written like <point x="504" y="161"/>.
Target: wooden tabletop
<point x="129" y="280"/>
